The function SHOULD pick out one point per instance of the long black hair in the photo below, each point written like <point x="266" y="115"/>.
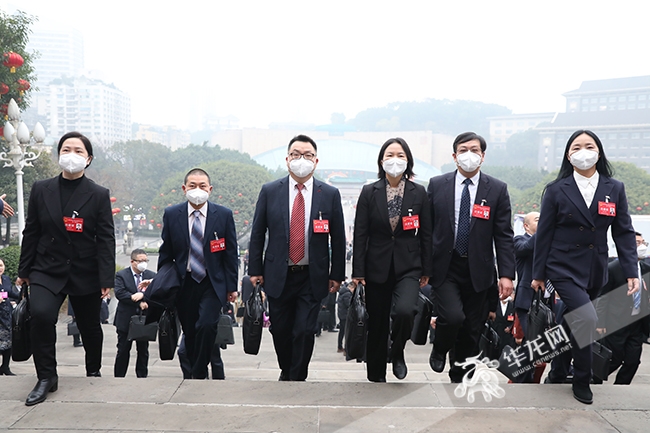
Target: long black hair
<point x="408" y="173"/>
<point x="603" y="167"/>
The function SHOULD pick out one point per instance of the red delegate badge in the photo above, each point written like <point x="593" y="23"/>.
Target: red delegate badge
<point x="321" y="226"/>
<point x="411" y="222"/>
<point x="217" y="245"/>
<point x="75" y="225"/>
<point x="607" y="208"/>
<point x="480" y="211"/>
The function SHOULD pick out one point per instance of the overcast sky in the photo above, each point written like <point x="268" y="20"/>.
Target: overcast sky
<point x="280" y="60"/>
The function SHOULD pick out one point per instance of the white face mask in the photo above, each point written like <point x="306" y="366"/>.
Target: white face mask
<point x="301" y="167"/>
<point x="394" y="166"/>
<point x="468" y="161"/>
<point x="72" y="163"/>
<point x="641" y="251"/>
<point x="584" y="159"/>
<point x="197" y="196"/>
<point x="142" y="266"/>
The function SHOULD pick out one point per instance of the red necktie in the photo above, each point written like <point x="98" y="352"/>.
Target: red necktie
<point x="297" y="228"/>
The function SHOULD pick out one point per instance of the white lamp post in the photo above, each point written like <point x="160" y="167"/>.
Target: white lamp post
<point x="17" y="135"/>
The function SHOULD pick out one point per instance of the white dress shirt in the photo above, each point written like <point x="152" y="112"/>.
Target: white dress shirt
<point x="459" y="193"/>
<point x="587" y="186"/>
<point x="307" y="193"/>
<point x="190" y="222"/>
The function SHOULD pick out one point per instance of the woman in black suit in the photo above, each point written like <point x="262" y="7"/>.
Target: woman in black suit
<point x="571" y="247"/>
<point x="7" y="294"/>
<point x="391" y="255"/>
<point x="68" y="250"/>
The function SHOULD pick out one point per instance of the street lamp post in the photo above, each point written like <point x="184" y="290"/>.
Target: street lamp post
<point x="17" y="135"/>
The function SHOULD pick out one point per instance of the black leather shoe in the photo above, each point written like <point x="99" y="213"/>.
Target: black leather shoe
<point x="283" y="377"/>
<point x="399" y="368"/>
<point x="437" y="361"/>
<point x="39" y="393"/>
<point x="583" y="393"/>
<point x="377" y="379"/>
<point x="6" y="372"/>
<point x="94" y="374"/>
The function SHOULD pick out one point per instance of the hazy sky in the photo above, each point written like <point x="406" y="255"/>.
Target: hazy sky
<point x="278" y="61"/>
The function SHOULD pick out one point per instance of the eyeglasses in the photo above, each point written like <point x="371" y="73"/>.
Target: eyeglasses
<point x="141" y="261"/>
<point x="639" y="243"/>
<point x="309" y="156"/>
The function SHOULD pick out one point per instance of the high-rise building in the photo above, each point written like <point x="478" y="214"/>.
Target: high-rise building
<point x="60" y="53"/>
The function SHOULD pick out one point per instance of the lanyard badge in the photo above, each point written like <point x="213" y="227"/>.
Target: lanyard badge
<point x="74" y="224"/>
<point x="321" y="225"/>
<point x="217" y="244"/>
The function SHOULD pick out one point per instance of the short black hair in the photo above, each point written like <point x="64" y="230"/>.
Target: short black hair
<point x="638" y="234"/>
<point x="136" y="252"/>
<point x="197" y="170"/>
<point x="304" y="139"/>
<point x="469" y="136"/>
<point x="408" y="173"/>
<point x="80" y="136"/>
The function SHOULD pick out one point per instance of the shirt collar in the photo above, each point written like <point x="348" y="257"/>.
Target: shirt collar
<point x="586" y="181"/>
<point x="308" y="184"/>
<point x="203" y="209"/>
<point x="460" y="178"/>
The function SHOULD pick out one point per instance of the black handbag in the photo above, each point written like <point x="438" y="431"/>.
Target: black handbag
<point x="168" y="334"/>
<point x="21" y="347"/>
<point x="324" y="316"/>
<point x="73" y="329"/>
<point x="540" y="317"/>
<point x="240" y="311"/>
<point x="225" y="334"/>
<point x="489" y="342"/>
<point x="356" y="325"/>
<point x="601" y="358"/>
<point x="253" y="321"/>
<point x="422" y="320"/>
<point x="138" y="331"/>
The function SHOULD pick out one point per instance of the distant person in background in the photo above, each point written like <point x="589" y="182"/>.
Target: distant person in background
<point x="343" y="303"/>
<point x="6" y="210"/>
<point x="7" y="295"/>
<point x="131" y="303"/>
<point x="524" y="248"/>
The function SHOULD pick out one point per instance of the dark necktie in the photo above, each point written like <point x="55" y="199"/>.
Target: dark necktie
<point x="297" y="227"/>
<point x="197" y="261"/>
<point x="462" y="235"/>
<point x="138" y="279"/>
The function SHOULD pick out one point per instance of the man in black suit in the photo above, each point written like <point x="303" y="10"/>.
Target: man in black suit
<point x="524" y="247"/>
<point x="465" y="237"/>
<point x="130" y="298"/>
<point x="303" y="217"/>
<point x="199" y="238"/>
<point x="623" y="318"/>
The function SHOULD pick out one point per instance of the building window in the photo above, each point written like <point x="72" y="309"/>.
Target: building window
<point x="642" y="97"/>
<point x="641" y="105"/>
<point x="611" y="136"/>
<point x="631" y="98"/>
<point x="612" y="99"/>
<point x="621" y="106"/>
<point x="635" y="135"/>
<point x="624" y="135"/>
<point x="621" y="99"/>
<point x="631" y="106"/>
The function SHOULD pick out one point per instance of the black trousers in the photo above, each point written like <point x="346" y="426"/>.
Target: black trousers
<point x="199" y="309"/>
<point x="294" y="321"/>
<point x="461" y="316"/>
<point x="44" y="307"/>
<point x="626" y="345"/>
<point x="396" y="299"/>
<point x="124" y="354"/>
<point x="342" y="323"/>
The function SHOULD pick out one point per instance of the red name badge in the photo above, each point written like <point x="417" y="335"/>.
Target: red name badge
<point x="411" y="222"/>
<point x="607" y="208"/>
<point x="217" y="245"/>
<point x="482" y="212"/>
<point x="4" y="295"/>
<point x="511" y="318"/>
<point x="75" y="225"/>
<point x="321" y="226"/>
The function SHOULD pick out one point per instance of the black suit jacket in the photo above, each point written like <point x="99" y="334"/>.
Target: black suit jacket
<point x="572" y="239"/>
<point x="376" y="246"/>
<point x="124" y="288"/>
<point x="53" y="257"/>
<point x="524" y="248"/>
<point x="485" y="236"/>
<point x="272" y="215"/>
<point x="222" y="266"/>
<point x="614" y="307"/>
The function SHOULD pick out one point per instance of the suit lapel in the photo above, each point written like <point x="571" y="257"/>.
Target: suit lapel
<point x="53" y="204"/>
<point x="407" y="201"/>
<point x="210" y="225"/>
<point x="482" y="192"/>
<point x="284" y="195"/>
<point x="450" y="191"/>
<point x="381" y="202"/>
<point x="570" y="188"/>
<point x="316" y="196"/>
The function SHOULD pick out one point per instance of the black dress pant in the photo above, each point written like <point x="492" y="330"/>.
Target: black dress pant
<point x="124" y="354"/>
<point x="199" y="309"/>
<point x="461" y="316"/>
<point x="294" y="321"/>
<point x="44" y="307"/>
<point x="396" y="299"/>
<point x="626" y="345"/>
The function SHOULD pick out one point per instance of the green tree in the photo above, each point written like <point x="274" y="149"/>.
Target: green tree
<point x="637" y="186"/>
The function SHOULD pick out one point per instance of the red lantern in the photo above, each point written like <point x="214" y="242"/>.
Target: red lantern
<point x="116" y="210"/>
<point x="246" y="222"/>
<point x="639" y="208"/>
<point x="239" y="194"/>
<point x="236" y="212"/>
<point x="220" y="196"/>
<point x="158" y="225"/>
<point x="23" y="85"/>
<point x="4" y="89"/>
<point x="113" y="199"/>
<point x="12" y="61"/>
<point x="646" y="204"/>
<point x="154" y="207"/>
<point x="173" y="190"/>
<point x="152" y="221"/>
